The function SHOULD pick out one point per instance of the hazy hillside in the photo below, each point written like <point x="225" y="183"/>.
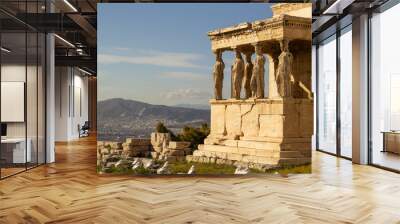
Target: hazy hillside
<point x="121" y="118"/>
<point x="194" y="106"/>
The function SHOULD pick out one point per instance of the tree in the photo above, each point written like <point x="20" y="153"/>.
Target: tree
<point x="160" y="128"/>
<point x="194" y="135"/>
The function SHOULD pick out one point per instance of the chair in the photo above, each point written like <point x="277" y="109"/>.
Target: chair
<point x="84" y="130"/>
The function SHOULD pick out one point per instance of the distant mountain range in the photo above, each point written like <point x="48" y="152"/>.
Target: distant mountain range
<point x="119" y="118"/>
<point x="194" y="106"/>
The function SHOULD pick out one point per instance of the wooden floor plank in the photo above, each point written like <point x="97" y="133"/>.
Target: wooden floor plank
<point x="70" y="191"/>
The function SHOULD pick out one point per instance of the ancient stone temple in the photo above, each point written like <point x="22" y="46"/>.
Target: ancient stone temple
<point x="268" y="118"/>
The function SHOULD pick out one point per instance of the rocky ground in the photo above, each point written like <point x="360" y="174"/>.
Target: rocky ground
<point x="160" y="155"/>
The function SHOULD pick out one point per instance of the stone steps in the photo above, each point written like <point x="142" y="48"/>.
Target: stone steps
<point x="212" y="139"/>
<point x="238" y="156"/>
<point x="200" y="157"/>
<point x="249" y="155"/>
<point x="292" y="146"/>
<point x="245" y="144"/>
<point x="224" y="151"/>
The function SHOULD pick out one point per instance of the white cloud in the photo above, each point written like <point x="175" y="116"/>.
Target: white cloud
<point x="165" y="59"/>
<point x="187" y="94"/>
<point x="184" y="75"/>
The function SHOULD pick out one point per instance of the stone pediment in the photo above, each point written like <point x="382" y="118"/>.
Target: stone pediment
<point x="238" y="27"/>
<point x="272" y="29"/>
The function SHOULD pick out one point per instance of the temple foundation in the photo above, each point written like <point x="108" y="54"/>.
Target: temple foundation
<point x="259" y="131"/>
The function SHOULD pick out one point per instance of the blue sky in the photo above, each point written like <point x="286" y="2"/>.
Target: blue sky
<point x="160" y="53"/>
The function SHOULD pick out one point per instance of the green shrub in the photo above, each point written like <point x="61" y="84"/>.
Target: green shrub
<point x="288" y="169"/>
<point x="194" y="135"/>
<point x="189" y="134"/>
<point x="201" y="168"/>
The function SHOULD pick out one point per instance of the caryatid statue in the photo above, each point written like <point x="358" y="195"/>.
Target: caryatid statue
<point x="237" y="74"/>
<point x="248" y="69"/>
<point x="257" y="77"/>
<point x="218" y="74"/>
<point x="284" y="73"/>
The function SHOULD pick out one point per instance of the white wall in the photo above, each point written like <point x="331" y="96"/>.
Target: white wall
<point x="70" y="84"/>
<point x="62" y="82"/>
<point x="12" y="73"/>
<point x="80" y="111"/>
<point x="33" y="126"/>
<point x="17" y="73"/>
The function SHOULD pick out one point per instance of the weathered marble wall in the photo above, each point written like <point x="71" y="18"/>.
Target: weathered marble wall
<point x="301" y="69"/>
<point x="259" y="132"/>
<point x="276" y="118"/>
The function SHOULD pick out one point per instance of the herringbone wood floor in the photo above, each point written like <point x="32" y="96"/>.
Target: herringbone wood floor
<point x="70" y="191"/>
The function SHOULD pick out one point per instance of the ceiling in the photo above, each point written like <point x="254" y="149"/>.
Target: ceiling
<point x="73" y="21"/>
<point x="330" y="15"/>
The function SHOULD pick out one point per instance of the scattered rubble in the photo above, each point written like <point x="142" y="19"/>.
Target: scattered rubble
<point x="191" y="170"/>
<point x="241" y="170"/>
<point x="164" y="169"/>
<point x="149" y="154"/>
<point x="137" y="164"/>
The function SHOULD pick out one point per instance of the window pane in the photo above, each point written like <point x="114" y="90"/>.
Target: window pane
<point x="13" y="86"/>
<point x="327" y="95"/>
<point x="385" y="89"/>
<point x="346" y="92"/>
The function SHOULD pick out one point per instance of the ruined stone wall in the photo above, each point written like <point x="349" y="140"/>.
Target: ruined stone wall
<point x="165" y="149"/>
<point x="124" y="154"/>
<point x="109" y="153"/>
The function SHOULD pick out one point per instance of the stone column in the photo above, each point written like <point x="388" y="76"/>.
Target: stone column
<point x="237" y="74"/>
<point x="272" y="87"/>
<point x="283" y="76"/>
<point x="257" y="78"/>
<point x="218" y="74"/>
<point x="248" y="69"/>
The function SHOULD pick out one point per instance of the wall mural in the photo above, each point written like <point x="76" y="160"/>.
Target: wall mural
<point x="186" y="93"/>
